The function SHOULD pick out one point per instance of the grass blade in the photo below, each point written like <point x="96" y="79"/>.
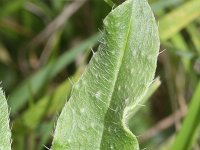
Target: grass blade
<point x="180" y="18"/>
<point x="184" y="139"/>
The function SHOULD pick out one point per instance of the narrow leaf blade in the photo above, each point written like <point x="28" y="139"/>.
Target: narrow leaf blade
<point x="190" y="125"/>
<point x="179" y="18"/>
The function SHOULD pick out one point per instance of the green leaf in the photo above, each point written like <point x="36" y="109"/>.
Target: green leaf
<point x="176" y="20"/>
<point x="185" y="137"/>
<point x="116" y="79"/>
<point x="195" y="36"/>
<point x="110" y="2"/>
<point x="5" y="133"/>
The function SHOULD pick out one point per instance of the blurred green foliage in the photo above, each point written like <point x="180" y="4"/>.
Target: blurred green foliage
<point x="35" y="67"/>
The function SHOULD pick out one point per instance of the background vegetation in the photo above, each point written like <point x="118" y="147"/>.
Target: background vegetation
<point x="45" y="46"/>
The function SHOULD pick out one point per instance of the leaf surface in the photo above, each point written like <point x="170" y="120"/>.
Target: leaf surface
<point x="5" y="133"/>
<point x="117" y="77"/>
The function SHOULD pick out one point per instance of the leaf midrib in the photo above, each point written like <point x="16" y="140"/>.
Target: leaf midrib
<point x="118" y="70"/>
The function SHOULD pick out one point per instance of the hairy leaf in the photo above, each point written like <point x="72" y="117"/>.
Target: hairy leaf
<point x="5" y="133"/>
<point x="116" y="79"/>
